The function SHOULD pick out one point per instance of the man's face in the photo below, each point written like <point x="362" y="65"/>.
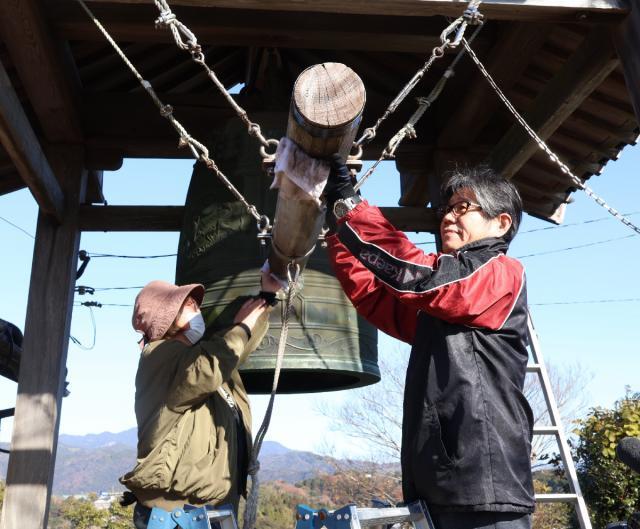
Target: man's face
<point x="465" y="223"/>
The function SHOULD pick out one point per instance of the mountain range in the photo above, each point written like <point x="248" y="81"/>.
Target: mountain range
<point x="94" y="462"/>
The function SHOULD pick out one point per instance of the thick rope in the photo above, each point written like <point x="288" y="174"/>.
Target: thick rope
<point x="459" y="25"/>
<point x="251" y="507"/>
<point x="408" y="130"/>
<point x="186" y="40"/>
<point x="544" y="147"/>
<point x="199" y="151"/>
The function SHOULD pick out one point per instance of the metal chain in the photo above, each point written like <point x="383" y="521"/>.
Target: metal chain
<point x="199" y="151"/>
<point x="186" y="40"/>
<point x="544" y="147"/>
<point x="251" y="507"/>
<point x="471" y="16"/>
<point x="408" y="130"/>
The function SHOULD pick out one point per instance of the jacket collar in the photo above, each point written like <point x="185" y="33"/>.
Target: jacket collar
<point x="491" y="244"/>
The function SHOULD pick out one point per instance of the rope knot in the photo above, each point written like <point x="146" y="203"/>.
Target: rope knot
<point x="254" y="468"/>
<point x="166" y="18"/>
<point x="166" y="111"/>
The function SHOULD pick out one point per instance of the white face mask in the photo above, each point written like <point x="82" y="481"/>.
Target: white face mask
<point x="196" y="328"/>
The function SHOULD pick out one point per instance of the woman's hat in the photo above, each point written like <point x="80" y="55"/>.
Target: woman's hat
<point x="157" y="306"/>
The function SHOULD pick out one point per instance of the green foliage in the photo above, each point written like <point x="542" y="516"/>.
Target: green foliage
<point x="119" y="517"/>
<point x="80" y="514"/>
<point x="611" y="490"/>
<point x="277" y="508"/>
<point x="550" y="515"/>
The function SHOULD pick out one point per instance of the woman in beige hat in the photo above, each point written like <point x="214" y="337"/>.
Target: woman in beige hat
<point x="194" y="420"/>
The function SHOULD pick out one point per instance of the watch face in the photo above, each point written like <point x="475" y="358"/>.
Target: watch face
<point x="340" y="208"/>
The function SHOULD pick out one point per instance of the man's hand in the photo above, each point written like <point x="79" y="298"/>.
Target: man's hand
<point x="339" y="184"/>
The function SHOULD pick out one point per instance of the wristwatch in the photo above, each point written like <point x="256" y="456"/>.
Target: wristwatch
<point x="342" y="206"/>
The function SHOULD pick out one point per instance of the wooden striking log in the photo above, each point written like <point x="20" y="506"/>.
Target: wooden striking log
<point x="326" y="110"/>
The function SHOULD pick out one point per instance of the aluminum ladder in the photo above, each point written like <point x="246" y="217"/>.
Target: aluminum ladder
<point x="352" y="517"/>
<point x="555" y="428"/>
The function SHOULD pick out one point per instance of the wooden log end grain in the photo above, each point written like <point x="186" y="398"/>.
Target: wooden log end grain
<point x="326" y="109"/>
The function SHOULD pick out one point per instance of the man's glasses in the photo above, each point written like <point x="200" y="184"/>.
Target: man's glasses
<point x="457" y="208"/>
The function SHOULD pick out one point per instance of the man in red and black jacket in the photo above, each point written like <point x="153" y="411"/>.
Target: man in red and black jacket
<point x="467" y="427"/>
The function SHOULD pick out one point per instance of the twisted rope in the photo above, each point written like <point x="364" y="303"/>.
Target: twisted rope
<point x="186" y="40"/>
<point x="251" y="507"/>
<point x="471" y="16"/>
<point x="408" y="130"/>
<point x="199" y="151"/>
<point x="544" y="147"/>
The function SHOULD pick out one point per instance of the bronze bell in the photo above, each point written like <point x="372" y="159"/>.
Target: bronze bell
<point x="330" y="346"/>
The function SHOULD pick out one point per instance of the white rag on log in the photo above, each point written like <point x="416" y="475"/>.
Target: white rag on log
<point x="294" y="166"/>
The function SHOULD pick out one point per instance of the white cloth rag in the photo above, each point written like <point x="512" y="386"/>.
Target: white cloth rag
<point x="308" y="174"/>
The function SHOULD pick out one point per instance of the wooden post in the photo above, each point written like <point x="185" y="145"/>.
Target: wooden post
<point x="41" y="381"/>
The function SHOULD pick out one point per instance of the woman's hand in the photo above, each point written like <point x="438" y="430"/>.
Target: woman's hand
<point x="250" y="312"/>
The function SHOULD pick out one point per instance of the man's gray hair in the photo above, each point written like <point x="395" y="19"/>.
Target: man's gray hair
<point x="495" y="194"/>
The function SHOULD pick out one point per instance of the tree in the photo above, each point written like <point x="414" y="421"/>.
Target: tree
<point x="568" y="387"/>
<point x="119" y="517"/>
<point x="373" y="414"/>
<point x="78" y="513"/>
<point x="611" y="490"/>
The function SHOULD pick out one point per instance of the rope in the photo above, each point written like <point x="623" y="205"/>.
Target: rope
<point x="251" y="507"/>
<point x="544" y="147"/>
<point x="471" y="16"/>
<point x="408" y="130"/>
<point x="199" y="151"/>
<point x="186" y="40"/>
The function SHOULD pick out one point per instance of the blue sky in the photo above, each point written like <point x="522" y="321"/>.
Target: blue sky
<point x="601" y="337"/>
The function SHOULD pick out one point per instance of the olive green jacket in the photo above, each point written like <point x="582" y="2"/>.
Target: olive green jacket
<point x="187" y="432"/>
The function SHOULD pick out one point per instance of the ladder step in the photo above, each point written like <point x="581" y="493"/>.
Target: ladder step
<point x="545" y="430"/>
<point x="383" y="516"/>
<point x="556" y="498"/>
<point x="533" y="368"/>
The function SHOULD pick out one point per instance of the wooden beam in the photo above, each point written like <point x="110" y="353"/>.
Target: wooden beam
<point x="506" y="62"/>
<point x="169" y="218"/>
<point x="43" y="69"/>
<point x="542" y="10"/>
<point x="233" y="27"/>
<point x="584" y="71"/>
<point x="23" y="147"/>
<point x="412" y="218"/>
<point x="131" y="218"/>
<point x="11" y="182"/>
<point x="94" y="187"/>
<point x="46" y="338"/>
<point x="627" y="42"/>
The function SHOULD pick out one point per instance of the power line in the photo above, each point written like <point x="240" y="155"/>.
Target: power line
<point x="103" y="289"/>
<point x="586" y="302"/>
<point x="17" y="227"/>
<point x="595" y="243"/>
<point x="555" y="227"/>
<point x="569" y="224"/>
<point x="132" y="256"/>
